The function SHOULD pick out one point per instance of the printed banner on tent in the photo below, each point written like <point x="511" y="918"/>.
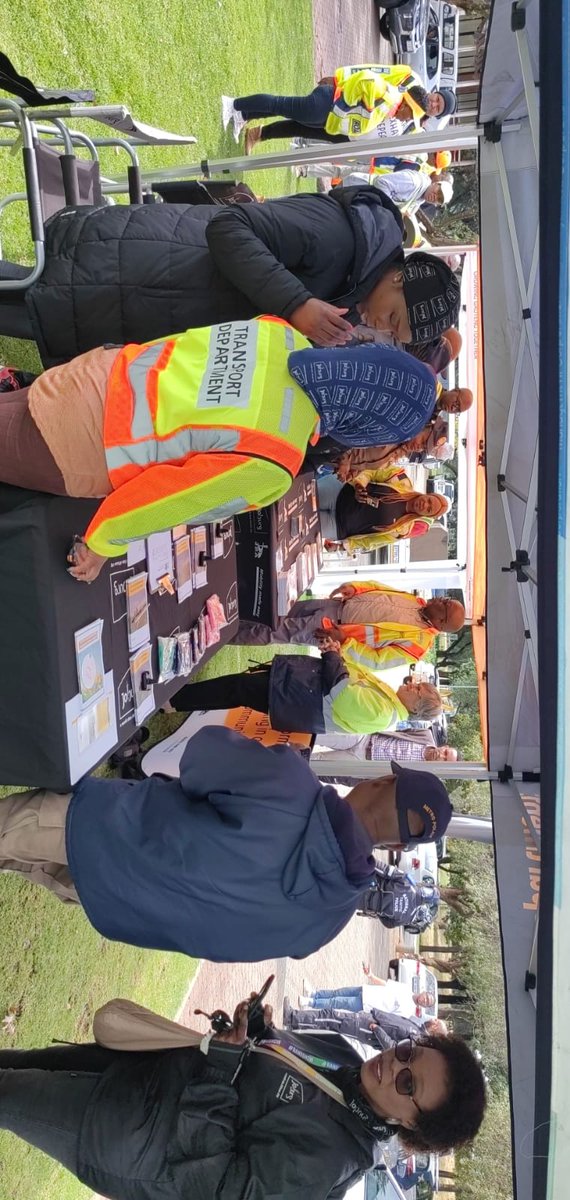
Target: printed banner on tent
<point x="516" y="809"/>
<point x="164" y="758"/>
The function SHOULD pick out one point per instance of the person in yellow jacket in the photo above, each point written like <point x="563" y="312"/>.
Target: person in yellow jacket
<point x="199" y="426"/>
<point x="349" y="104"/>
<point x="304" y="694"/>
<point x="377" y="508"/>
<point x="376" y="625"/>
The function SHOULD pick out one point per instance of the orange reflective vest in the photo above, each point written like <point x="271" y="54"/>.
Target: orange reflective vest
<point x="200" y="426"/>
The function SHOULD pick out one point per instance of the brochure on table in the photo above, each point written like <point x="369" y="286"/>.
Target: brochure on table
<point x="159" y="558"/>
<point x="91" y="732"/>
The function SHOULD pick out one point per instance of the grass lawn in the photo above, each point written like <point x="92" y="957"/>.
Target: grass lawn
<point x="169" y="61"/>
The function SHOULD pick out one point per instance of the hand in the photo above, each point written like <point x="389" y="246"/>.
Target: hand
<point x="361" y="493"/>
<point x="332" y="545"/>
<point x="334" y="631"/>
<point x="329" y="643"/>
<point x="343" y="468"/>
<point x="345" y="592"/>
<point x="86" y="563"/>
<point x="366" y="968"/>
<point x="238" y="1034"/>
<point x="322" y="323"/>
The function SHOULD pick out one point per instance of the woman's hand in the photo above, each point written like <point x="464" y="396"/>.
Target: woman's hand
<point x="329" y="643"/>
<point x="366" y="968"/>
<point x="333" y="631"/>
<point x="345" y="592"/>
<point x="238" y="1034"/>
<point x="86" y="563"/>
<point x="328" y="545"/>
<point x="322" y="323"/>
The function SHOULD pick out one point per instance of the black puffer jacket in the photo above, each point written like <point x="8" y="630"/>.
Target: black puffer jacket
<point x="172" y="1126"/>
<point x="133" y="273"/>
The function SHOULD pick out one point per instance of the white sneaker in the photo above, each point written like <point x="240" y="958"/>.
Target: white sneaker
<point x="239" y="123"/>
<point x="308" y="989"/>
<point x="304" y="1002"/>
<point x="227" y="110"/>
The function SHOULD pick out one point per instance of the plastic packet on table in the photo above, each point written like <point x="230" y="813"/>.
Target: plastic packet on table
<point x="216" y="612"/>
<point x="196" y="652"/>
<point x="211" y="631"/>
<point x="167" y="658"/>
<point x="184" y="659"/>
<point x="201" y="623"/>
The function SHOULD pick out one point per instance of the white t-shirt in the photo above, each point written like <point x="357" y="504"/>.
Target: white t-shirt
<point x="393" y="997"/>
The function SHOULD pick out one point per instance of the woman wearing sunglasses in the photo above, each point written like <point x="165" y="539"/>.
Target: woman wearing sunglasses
<point x="291" y="1115"/>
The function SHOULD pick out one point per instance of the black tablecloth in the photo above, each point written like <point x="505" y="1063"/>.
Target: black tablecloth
<point x="41" y="608"/>
<point x="259" y="536"/>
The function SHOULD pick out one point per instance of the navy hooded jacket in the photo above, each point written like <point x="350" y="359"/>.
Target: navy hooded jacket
<point x="237" y="861"/>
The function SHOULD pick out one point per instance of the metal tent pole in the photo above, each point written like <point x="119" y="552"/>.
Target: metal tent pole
<point x="464" y="137"/>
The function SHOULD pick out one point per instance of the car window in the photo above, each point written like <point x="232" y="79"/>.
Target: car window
<point x="432" y="45"/>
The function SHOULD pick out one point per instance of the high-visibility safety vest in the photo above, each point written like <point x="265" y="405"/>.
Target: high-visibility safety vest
<point x="200" y="426"/>
<point x="365" y="96"/>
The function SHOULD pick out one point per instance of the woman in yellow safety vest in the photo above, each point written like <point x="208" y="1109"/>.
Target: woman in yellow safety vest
<point x="378" y="508"/>
<point x="204" y="424"/>
<point x="349" y="104"/>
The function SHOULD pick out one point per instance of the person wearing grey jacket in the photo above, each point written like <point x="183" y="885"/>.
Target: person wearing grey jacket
<point x="229" y="1124"/>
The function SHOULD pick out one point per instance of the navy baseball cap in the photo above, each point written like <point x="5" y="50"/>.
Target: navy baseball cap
<point x="422" y="793"/>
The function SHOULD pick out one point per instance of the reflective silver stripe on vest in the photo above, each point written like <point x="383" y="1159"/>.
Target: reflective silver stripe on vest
<point x="286" y="411"/>
<point x="289" y="338"/>
<point x="137" y="371"/>
<point x="180" y="445"/>
<point x="332" y="726"/>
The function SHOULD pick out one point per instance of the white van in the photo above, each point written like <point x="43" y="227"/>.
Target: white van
<point x="436" y="61"/>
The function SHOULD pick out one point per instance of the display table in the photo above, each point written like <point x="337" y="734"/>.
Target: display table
<point x="42" y="607"/>
<point x="269" y="543"/>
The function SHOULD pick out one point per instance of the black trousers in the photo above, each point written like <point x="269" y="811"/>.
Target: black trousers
<point x="291" y="129"/>
<point x="250" y="689"/>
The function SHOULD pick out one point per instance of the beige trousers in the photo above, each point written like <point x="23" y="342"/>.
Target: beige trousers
<point x="32" y="840"/>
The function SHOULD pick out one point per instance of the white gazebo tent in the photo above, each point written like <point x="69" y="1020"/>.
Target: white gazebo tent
<point x="528" y="858"/>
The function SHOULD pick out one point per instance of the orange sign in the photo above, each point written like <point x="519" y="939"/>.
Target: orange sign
<point x="256" y="726"/>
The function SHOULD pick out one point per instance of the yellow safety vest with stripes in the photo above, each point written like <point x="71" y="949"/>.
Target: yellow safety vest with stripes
<point x="200" y="426"/>
<point x="365" y="96"/>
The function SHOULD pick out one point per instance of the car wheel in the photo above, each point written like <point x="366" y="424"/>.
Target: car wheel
<point x="385" y="27"/>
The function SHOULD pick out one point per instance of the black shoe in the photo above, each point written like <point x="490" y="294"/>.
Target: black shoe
<point x="287" y="1010"/>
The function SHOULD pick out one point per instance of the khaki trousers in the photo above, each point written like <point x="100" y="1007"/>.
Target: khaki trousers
<point x="32" y="840"/>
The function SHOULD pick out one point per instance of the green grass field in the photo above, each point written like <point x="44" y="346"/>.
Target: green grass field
<point x="170" y="62"/>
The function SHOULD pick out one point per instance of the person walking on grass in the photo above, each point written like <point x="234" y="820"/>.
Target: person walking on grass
<point x="351" y="103"/>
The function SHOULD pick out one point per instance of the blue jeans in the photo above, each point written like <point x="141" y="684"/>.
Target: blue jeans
<point x="328" y="490"/>
<point x="348" y="998"/>
<point x="307" y="110"/>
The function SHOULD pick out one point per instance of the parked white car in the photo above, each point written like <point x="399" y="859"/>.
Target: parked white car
<point x="419" y="979"/>
<point x="436" y="61"/>
<point x="420" y="861"/>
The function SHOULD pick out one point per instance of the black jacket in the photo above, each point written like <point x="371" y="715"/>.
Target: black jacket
<point x="172" y="1126"/>
<point x="300" y="688"/>
<point x="132" y="273"/>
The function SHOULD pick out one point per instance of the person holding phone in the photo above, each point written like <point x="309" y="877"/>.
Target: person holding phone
<point x="289" y="1115"/>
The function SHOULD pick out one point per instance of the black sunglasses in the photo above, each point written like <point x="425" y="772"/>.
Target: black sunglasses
<point x="404" y="1081"/>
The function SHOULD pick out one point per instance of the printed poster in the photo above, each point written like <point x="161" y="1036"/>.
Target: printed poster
<point x="89" y="658"/>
